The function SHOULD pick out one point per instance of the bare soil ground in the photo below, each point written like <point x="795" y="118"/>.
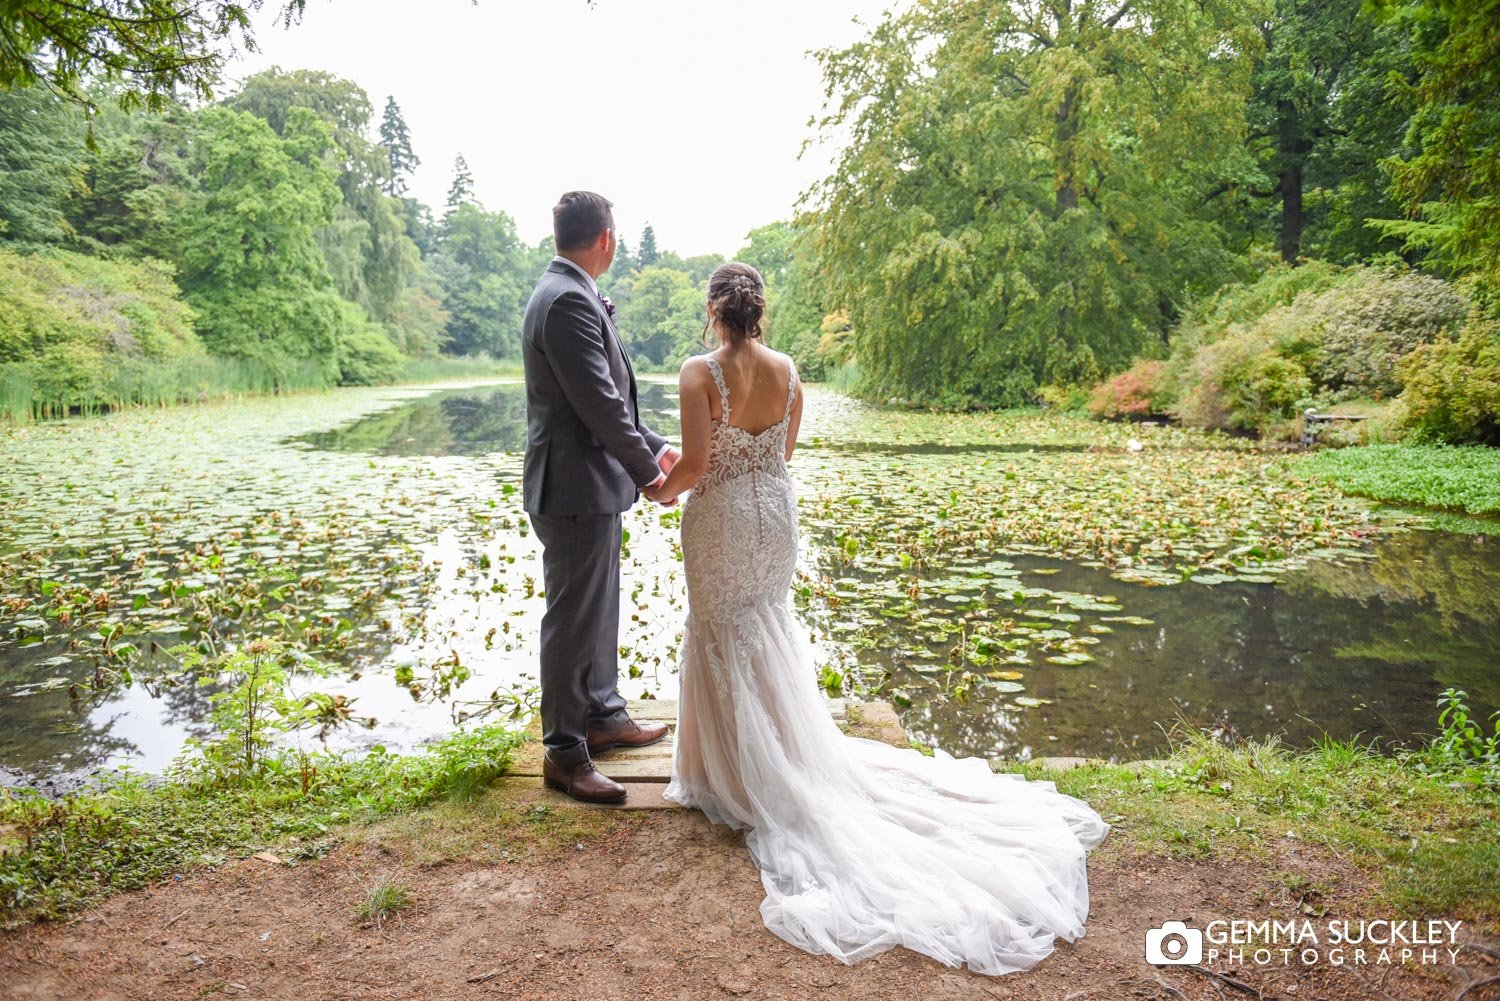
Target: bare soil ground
<point x="516" y="895"/>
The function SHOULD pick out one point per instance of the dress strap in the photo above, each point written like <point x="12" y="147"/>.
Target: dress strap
<point x="791" y="391"/>
<point x="718" y="374"/>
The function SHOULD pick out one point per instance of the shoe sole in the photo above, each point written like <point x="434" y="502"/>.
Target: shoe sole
<point x="610" y="747"/>
<point x="562" y="788"/>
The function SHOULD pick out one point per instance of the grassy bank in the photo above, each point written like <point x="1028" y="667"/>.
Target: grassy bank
<point x="1425" y="825"/>
<point x="56" y="856"/>
<point x="1460" y="478"/>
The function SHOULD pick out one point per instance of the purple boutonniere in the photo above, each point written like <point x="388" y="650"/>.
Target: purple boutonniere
<point x="609" y="307"/>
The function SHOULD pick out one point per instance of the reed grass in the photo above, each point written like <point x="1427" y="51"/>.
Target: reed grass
<point x="27" y="394"/>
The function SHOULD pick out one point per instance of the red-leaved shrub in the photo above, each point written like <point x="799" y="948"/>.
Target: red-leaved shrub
<point x="1137" y="391"/>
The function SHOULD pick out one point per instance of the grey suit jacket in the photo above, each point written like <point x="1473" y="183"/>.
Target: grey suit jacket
<point x="587" y="451"/>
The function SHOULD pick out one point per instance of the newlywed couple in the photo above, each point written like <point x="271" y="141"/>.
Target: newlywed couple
<point x="861" y="846"/>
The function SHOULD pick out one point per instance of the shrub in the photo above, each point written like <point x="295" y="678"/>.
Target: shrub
<point x="1453" y="387"/>
<point x="1139" y="390"/>
<point x="366" y="355"/>
<point x="1209" y="320"/>
<point x="70" y="375"/>
<point x="130" y="309"/>
<point x="1066" y="398"/>
<point x="1242" y="383"/>
<point x="1252" y="356"/>
<point x="1365" y="324"/>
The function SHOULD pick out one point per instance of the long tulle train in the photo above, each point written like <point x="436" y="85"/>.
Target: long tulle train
<point x="863" y="846"/>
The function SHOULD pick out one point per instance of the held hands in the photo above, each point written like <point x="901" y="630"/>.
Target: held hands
<point x="653" y="491"/>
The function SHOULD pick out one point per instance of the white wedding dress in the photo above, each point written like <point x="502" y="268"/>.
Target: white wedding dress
<point x="861" y="846"/>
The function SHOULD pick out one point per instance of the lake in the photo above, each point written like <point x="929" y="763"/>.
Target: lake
<point x="1017" y="584"/>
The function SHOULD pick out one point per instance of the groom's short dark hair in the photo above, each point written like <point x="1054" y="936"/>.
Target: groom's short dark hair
<point x="578" y="218"/>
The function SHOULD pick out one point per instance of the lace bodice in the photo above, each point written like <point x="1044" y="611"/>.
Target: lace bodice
<point x="734" y="451"/>
<point x="739" y="525"/>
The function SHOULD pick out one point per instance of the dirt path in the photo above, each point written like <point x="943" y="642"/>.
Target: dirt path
<point x="654" y="904"/>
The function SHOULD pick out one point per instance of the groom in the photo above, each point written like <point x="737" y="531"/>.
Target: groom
<point x="588" y="457"/>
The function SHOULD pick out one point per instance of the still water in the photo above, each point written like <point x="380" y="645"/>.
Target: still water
<point x="381" y="530"/>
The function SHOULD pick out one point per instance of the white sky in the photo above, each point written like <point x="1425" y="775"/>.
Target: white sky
<point x="687" y="114"/>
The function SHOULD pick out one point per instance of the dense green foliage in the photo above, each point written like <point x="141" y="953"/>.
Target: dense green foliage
<point x="1453" y="387"/>
<point x="251" y="263"/>
<point x="781" y="253"/>
<point x="284" y="235"/>
<point x="1028" y="187"/>
<point x="156" y="48"/>
<point x="1447" y="177"/>
<point x="261" y="230"/>
<point x="486" y="274"/>
<point x="1319" y="121"/>
<point x="1035" y="194"/>
<point x="1253" y="357"/>
<point x="53" y="298"/>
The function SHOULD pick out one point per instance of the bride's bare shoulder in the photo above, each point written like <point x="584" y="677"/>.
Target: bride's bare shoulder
<point x="788" y="364"/>
<point x="694" y="370"/>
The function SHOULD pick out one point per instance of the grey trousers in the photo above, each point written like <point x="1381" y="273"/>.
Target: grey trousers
<point x="580" y="630"/>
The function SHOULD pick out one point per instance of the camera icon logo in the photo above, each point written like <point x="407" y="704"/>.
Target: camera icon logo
<point x="1174" y="944"/>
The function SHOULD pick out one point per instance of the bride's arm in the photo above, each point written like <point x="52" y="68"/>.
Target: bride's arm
<point x="693" y="383"/>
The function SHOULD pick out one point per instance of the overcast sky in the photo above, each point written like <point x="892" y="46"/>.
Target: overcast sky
<point x="687" y="114"/>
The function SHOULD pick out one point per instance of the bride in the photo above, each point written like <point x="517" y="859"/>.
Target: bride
<point x="861" y="846"/>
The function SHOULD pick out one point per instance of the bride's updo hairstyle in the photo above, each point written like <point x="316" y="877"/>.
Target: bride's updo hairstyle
<point x="738" y="297"/>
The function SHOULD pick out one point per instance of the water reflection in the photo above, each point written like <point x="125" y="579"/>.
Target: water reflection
<point x="1362" y="650"/>
<point x="461" y="423"/>
<point x="392" y="520"/>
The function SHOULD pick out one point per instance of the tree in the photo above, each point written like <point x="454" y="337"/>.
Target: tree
<point x="769" y="250"/>
<point x="252" y="267"/>
<point x="623" y="263"/>
<point x="420" y="225"/>
<point x="1314" y="49"/>
<point x="646" y="320"/>
<point x="152" y="48"/>
<point x="396" y="139"/>
<point x="648" y="255"/>
<point x="369" y="255"/>
<point x="1025" y="190"/>
<point x="138" y="189"/>
<point x="461" y="191"/>
<point x="40" y="163"/>
<point x="1447" y="178"/>
<point x="343" y="104"/>
<point x="483" y="268"/>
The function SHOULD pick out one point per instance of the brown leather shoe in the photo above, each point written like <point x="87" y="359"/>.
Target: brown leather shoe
<point x="627" y="734"/>
<point x="583" y="782"/>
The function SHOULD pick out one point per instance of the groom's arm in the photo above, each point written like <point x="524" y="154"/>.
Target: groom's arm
<point x="574" y="346"/>
<point x="657" y="443"/>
